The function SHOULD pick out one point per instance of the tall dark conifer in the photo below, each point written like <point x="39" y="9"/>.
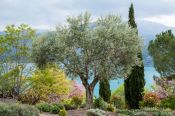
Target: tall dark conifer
<point x="134" y="84"/>
<point x="104" y="89"/>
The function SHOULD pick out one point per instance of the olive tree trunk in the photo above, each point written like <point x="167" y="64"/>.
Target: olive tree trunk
<point x="89" y="90"/>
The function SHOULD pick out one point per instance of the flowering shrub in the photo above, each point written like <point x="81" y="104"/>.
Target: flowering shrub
<point x="161" y="92"/>
<point x="151" y="99"/>
<point x="76" y="90"/>
<point x="165" y="86"/>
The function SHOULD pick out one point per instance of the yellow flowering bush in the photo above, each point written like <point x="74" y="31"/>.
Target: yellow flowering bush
<point x="44" y="84"/>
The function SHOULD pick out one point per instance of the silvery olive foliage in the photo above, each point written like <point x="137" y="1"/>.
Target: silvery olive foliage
<point x="90" y="50"/>
<point x="110" y="46"/>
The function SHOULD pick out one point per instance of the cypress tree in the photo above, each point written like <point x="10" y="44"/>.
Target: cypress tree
<point x="134" y="84"/>
<point x="104" y="90"/>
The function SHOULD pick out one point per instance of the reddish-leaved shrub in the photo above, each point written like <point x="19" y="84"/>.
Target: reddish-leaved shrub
<point x="151" y="99"/>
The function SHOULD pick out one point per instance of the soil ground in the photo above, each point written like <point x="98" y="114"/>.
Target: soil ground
<point x="79" y="112"/>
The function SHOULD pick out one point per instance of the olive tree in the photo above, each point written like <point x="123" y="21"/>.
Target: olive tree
<point x="109" y="47"/>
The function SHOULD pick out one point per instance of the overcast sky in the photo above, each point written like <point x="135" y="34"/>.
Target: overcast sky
<point x="45" y="14"/>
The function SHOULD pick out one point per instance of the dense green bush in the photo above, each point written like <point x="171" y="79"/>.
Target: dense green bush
<point x="110" y="108"/>
<point x="168" y="102"/>
<point x="54" y="109"/>
<point x="70" y="107"/>
<point x="18" y="110"/>
<point x="95" y="112"/>
<point x="44" y="107"/>
<point x="63" y="112"/>
<point x="61" y="106"/>
<point x="124" y="111"/>
<point x="77" y="101"/>
<point x="100" y="103"/>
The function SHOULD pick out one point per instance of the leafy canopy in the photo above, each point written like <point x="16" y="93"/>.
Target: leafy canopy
<point x="162" y="51"/>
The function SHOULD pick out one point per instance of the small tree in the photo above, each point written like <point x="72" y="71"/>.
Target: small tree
<point x="85" y="52"/>
<point x="104" y="90"/>
<point x="15" y="53"/>
<point x="162" y="51"/>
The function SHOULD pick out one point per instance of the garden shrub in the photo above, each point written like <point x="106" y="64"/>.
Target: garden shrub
<point x="44" y="107"/>
<point x="45" y="83"/>
<point x="66" y="101"/>
<point x="118" y="97"/>
<point x="124" y="111"/>
<point x="54" y="109"/>
<point x="77" y="101"/>
<point x="140" y="114"/>
<point x="161" y="113"/>
<point x="95" y="112"/>
<point x="110" y="108"/>
<point x="29" y="97"/>
<point x="61" y="106"/>
<point x="83" y="105"/>
<point x="63" y="112"/>
<point x="100" y="103"/>
<point x="145" y="112"/>
<point x="18" y="110"/>
<point x="150" y="99"/>
<point x="70" y="107"/>
<point x="117" y="101"/>
<point x="151" y="109"/>
<point x="168" y="102"/>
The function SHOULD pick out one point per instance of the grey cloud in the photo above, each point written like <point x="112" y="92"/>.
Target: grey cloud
<point x="50" y="12"/>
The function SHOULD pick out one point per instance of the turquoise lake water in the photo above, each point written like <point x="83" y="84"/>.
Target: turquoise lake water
<point x="148" y="71"/>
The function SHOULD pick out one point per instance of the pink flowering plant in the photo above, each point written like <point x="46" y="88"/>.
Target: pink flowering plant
<point x="164" y="87"/>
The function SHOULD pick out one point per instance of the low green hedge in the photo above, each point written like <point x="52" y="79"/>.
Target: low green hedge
<point x="70" y="107"/>
<point x="145" y="112"/>
<point x="18" y="110"/>
<point x="52" y="108"/>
